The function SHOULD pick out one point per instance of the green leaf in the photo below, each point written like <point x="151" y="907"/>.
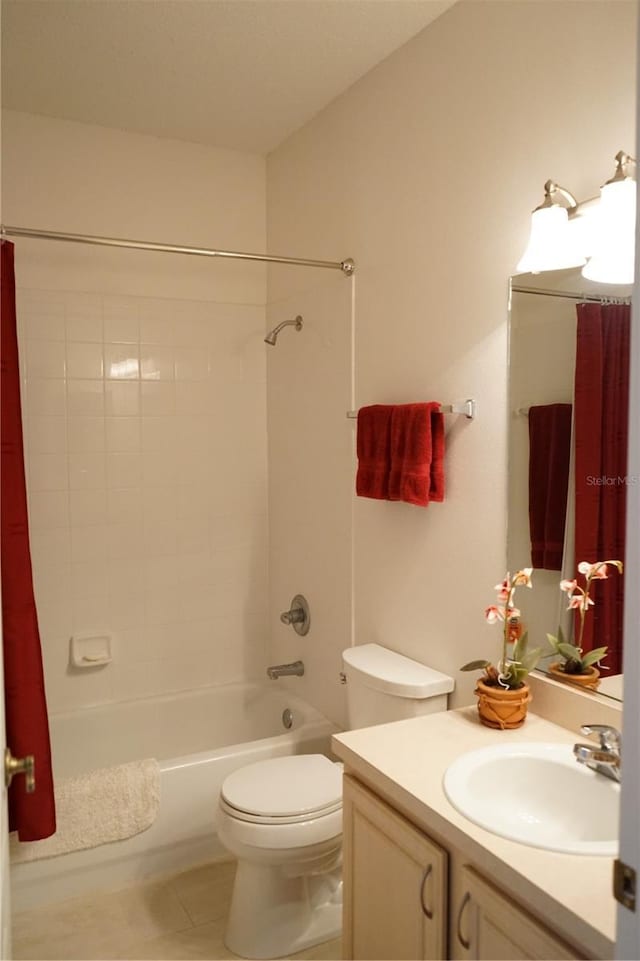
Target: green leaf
<point x="554" y="642"/>
<point x="520" y="647"/>
<point x="569" y="651"/>
<point x="561" y="639"/>
<point x="595" y="655"/>
<point x="476" y="666"/>
<point x="530" y="660"/>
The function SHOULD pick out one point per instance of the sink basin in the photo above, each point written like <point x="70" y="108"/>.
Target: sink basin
<point x="539" y="795"/>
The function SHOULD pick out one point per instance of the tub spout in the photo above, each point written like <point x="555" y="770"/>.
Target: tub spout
<point x="285" y="670"/>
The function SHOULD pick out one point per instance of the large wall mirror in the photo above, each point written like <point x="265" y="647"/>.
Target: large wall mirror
<point x="568" y="398"/>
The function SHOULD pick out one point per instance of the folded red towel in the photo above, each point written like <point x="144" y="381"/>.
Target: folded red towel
<point x="417" y="454"/>
<point x="374" y="451"/>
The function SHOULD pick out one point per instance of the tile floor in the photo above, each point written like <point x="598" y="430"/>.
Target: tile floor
<point x="176" y="918"/>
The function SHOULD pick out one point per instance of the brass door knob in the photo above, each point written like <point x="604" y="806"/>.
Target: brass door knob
<point x="20" y="765"/>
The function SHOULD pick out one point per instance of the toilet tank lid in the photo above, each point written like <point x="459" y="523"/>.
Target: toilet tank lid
<point x="393" y="673"/>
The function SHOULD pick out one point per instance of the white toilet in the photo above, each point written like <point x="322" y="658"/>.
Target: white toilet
<point x="282" y="818"/>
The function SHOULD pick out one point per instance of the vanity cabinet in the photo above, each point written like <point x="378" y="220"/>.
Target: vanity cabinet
<point x="395" y="883"/>
<point x="490" y="927"/>
<point x="406" y="897"/>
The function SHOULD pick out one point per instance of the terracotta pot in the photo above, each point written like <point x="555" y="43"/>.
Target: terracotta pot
<point x="502" y="708"/>
<point x="590" y="679"/>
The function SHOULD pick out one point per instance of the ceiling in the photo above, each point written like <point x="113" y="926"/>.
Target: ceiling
<point x="242" y="74"/>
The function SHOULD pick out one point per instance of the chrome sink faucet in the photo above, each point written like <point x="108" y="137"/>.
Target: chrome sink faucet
<point x="605" y="757"/>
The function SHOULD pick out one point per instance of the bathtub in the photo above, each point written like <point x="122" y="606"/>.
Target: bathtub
<point x="199" y="737"/>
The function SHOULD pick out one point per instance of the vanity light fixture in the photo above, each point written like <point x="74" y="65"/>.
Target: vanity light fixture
<point x="552" y="244"/>
<point x="614" y="224"/>
<point x="597" y="234"/>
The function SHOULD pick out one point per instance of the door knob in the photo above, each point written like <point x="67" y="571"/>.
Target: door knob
<point x="20" y="765"/>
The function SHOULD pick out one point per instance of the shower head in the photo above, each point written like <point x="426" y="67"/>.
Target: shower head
<point x="272" y="336"/>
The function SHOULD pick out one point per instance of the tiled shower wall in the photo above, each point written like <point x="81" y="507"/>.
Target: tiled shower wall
<point x="145" y="446"/>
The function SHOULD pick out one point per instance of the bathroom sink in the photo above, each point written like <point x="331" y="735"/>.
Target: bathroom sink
<point x="539" y="795"/>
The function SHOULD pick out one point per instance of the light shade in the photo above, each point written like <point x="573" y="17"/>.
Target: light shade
<point x="552" y="245"/>
<point x="612" y="260"/>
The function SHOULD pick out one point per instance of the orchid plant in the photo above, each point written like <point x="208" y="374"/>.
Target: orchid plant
<point x="514" y="664"/>
<point x="575" y="661"/>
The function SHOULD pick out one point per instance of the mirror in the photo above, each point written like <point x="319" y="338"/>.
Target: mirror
<point x="543" y="496"/>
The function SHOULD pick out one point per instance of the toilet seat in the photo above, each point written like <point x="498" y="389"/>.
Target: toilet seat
<point x="284" y="790"/>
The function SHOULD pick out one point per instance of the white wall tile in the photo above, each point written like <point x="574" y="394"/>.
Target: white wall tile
<point x="45" y="359"/>
<point x="121" y="361"/>
<point x="156" y="362"/>
<point x="122" y="398"/>
<point x="42" y="325"/>
<point x="50" y="547"/>
<point x="85" y="397"/>
<point x="46" y="397"/>
<point x="46" y="435"/>
<point x="123" y="434"/>
<point x="124" y="470"/>
<point x="86" y="434"/>
<point x="192" y="363"/>
<point x="88" y="507"/>
<point x="84" y="360"/>
<point x="158" y="399"/>
<point x="48" y="509"/>
<point x="85" y="327"/>
<point x="154" y="327"/>
<point x="88" y="543"/>
<point x="48" y="472"/>
<point x="87" y="471"/>
<point x="124" y="506"/>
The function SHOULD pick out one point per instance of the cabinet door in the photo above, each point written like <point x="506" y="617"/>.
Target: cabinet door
<point x="394" y="883"/>
<point x="490" y="927"/>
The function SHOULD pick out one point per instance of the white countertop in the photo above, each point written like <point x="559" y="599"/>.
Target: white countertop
<point x="405" y="763"/>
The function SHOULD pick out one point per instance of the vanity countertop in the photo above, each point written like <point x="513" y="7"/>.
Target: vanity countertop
<point x="405" y="761"/>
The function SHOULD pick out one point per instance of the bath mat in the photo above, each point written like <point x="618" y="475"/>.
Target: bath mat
<point x="109" y="804"/>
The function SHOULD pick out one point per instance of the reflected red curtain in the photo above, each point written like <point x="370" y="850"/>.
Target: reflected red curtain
<point x="601" y="433"/>
<point x="31" y="815"/>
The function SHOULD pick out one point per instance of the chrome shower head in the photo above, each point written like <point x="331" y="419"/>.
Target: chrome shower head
<point x="272" y="336"/>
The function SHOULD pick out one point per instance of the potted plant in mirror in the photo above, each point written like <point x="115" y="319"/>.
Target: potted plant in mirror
<point x="575" y="665"/>
<point x="503" y="694"/>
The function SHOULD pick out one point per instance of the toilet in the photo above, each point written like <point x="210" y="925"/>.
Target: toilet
<point x="282" y="818"/>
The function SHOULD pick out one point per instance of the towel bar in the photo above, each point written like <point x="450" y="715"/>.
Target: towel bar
<point x="467" y="407"/>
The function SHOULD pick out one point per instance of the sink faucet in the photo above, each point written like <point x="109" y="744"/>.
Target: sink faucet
<point x="605" y="757"/>
<point x="285" y="670"/>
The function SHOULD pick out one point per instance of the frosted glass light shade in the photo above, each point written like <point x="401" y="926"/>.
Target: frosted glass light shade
<point x="552" y="245"/>
<point x="612" y="261"/>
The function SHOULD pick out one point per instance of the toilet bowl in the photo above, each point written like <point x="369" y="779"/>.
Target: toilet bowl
<point x="282" y="818"/>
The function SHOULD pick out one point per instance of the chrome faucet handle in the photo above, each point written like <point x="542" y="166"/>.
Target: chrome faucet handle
<point x="609" y="737"/>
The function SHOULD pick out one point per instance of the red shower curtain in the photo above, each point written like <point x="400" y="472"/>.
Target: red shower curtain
<point x="601" y="434"/>
<point x="31" y="815"/>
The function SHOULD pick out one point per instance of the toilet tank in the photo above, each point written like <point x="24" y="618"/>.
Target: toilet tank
<point x="384" y="686"/>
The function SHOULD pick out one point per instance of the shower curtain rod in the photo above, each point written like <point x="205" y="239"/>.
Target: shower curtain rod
<point x="346" y="266"/>
<point x="591" y="298"/>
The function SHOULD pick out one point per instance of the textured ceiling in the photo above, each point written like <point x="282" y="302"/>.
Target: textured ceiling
<point x="243" y="74"/>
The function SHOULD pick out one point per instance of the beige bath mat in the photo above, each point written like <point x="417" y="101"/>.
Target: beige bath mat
<point x="108" y="804"/>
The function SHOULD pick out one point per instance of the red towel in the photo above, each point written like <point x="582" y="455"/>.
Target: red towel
<point x="374" y="451"/>
<point x="549" y="452"/>
<point x="417" y="454"/>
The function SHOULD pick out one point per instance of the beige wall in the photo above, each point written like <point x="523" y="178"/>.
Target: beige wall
<point x="425" y="172"/>
<point x="144" y="396"/>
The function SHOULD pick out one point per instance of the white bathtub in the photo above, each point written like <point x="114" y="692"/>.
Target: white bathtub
<point x="198" y="737"/>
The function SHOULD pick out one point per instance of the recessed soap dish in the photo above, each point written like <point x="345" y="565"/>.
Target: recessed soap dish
<point x="90" y="650"/>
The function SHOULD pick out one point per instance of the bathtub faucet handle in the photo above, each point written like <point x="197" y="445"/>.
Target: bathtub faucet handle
<point x="298" y="616"/>
<point x="294" y="616"/>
